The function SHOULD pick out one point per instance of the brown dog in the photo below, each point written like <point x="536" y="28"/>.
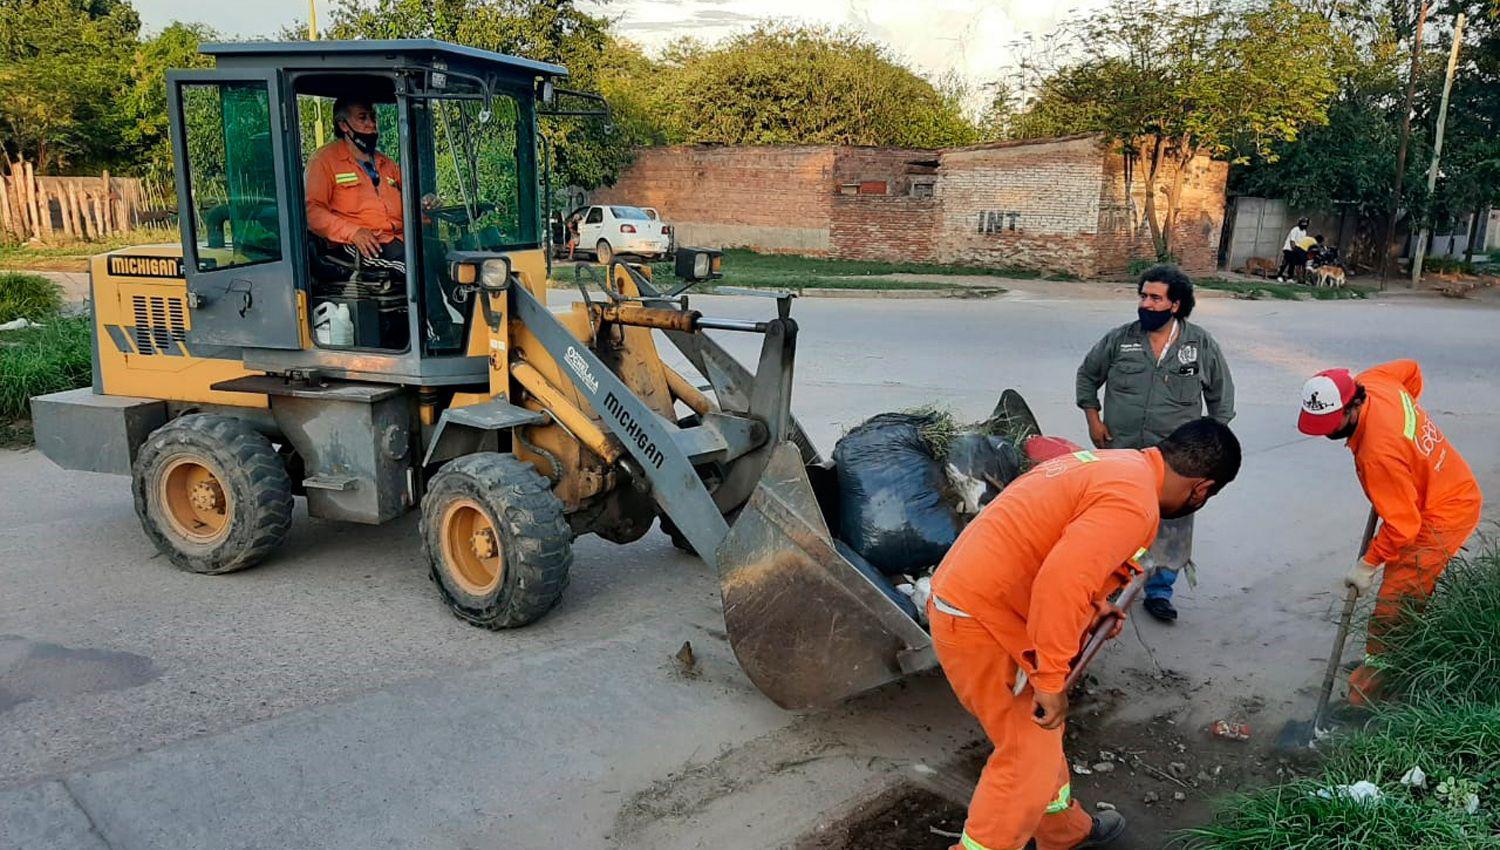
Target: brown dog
<point x="1261" y="266"/>
<point x="1329" y="275"/>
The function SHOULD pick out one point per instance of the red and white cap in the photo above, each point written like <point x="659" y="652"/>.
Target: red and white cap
<point x="1323" y="399"/>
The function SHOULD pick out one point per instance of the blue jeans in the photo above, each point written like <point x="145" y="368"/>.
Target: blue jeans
<point x="1170" y="553"/>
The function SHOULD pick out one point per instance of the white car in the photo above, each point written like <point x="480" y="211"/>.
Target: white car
<point x="608" y="230"/>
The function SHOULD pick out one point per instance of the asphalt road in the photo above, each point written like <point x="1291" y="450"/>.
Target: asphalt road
<point x="327" y="699"/>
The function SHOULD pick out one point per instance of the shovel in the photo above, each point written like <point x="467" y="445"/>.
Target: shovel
<point x="1297" y="734"/>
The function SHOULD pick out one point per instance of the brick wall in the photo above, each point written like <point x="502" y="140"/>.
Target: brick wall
<point x="769" y="198"/>
<point x="1048" y="204"/>
<point x="874" y="215"/>
<point x="1125" y="235"/>
<point x="1021" y="204"/>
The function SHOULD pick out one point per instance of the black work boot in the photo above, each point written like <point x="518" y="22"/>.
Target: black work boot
<point x="1161" y="609"/>
<point x="1107" y="827"/>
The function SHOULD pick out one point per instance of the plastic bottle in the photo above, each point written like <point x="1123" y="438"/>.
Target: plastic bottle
<point x="333" y="324"/>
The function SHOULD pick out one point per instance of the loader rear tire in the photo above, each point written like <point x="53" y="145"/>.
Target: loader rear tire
<point x="212" y="493"/>
<point x="496" y="539"/>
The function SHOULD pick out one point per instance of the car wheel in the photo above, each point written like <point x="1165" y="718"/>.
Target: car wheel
<point x="604" y="252"/>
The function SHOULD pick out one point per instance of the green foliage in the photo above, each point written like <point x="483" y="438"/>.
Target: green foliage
<point x="28" y="296"/>
<point x="788" y="271"/>
<point x="587" y="152"/>
<point x="62" y="63"/>
<point x="145" y="100"/>
<point x="1171" y="81"/>
<point x="51" y="358"/>
<point x="1457" y="746"/>
<point x="1255" y="290"/>
<point x="785" y="84"/>
<point x="1452" y="646"/>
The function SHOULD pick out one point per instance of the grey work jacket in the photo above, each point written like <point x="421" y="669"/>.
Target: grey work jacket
<point x="1145" y="401"/>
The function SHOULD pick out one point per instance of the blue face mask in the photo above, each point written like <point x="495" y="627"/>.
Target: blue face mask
<point x="1153" y="319"/>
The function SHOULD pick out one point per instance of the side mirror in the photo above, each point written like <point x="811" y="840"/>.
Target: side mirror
<point x="696" y="264"/>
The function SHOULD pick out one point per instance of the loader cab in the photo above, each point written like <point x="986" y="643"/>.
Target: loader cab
<point x="456" y="167"/>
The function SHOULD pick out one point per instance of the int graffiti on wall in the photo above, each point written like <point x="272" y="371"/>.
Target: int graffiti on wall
<point x="997" y="221"/>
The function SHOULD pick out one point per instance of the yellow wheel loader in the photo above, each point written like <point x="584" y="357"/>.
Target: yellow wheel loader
<point x="261" y="360"/>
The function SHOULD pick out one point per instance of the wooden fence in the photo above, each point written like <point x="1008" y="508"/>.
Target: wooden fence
<point x="63" y="209"/>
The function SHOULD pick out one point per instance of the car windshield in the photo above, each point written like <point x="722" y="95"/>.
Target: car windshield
<point x="630" y="213"/>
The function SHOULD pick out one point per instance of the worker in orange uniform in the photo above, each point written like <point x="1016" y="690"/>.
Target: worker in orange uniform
<point x="354" y="191"/>
<point x="1014" y="597"/>
<point x="1426" y="496"/>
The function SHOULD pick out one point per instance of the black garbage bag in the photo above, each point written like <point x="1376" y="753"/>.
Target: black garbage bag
<point x="978" y="467"/>
<point x="892" y="505"/>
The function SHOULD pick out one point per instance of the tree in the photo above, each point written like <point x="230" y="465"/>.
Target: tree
<point x="782" y="84"/>
<point x="145" y="100"/>
<point x="1168" y="82"/>
<point x="588" y="153"/>
<point x="61" y="64"/>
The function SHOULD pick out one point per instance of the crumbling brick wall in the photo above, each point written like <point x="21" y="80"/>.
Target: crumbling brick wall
<point x="1124" y="233"/>
<point x="1031" y="204"/>
<point x="1047" y="204"/>
<point x="775" y="199"/>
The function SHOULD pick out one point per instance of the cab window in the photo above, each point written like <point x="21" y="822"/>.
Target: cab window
<point x="236" y="217"/>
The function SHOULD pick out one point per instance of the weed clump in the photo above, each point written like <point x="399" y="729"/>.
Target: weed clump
<point x="1452" y="645"/>
<point x="28" y="296"/>
<point x="53" y="357"/>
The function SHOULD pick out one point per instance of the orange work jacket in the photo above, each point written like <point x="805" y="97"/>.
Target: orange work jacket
<point x="341" y="197"/>
<point x="1061" y="537"/>
<point x="1411" y="473"/>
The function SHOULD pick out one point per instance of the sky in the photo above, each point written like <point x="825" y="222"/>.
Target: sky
<point x="932" y="37"/>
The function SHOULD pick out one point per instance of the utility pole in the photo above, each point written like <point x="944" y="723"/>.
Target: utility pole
<point x="312" y="35"/>
<point x="1411" y="90"/>
<point x="1437" y="149"/>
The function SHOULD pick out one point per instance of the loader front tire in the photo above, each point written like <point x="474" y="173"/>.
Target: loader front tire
<point x="496" y="539"/>
<point x="212" y="493"/>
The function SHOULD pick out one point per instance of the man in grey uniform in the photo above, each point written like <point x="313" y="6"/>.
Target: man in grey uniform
<point x="1157" y="373"/>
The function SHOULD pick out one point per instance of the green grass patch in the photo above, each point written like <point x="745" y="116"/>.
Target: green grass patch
<point x="784" y="271"/>
<point x="1456" y="746"/>
<point x="1452" y="645"/>
<point x="74" y="256"/>
<point x="28" y="296"/>
<point x="1443" y="662"/>
<point x="53" y="357"/>
<point x="1270" y="289"/>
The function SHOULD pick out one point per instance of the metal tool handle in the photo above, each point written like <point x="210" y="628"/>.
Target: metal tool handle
<point x="1342" y="635"/>
<point x="1100" y="633"/>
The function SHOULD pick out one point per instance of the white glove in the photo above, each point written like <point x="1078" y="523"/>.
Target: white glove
<point x="1361" y="577"/>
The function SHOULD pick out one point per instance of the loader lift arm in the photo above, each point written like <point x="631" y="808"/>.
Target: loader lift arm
<point x="808" y="628"/>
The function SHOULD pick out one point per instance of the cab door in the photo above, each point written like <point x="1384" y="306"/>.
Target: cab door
<point x="239" y="257"/>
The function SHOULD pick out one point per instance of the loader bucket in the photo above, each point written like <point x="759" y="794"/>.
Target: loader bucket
<point x="809" y="629"/>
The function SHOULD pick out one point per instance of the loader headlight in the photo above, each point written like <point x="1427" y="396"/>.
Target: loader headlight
<point x="495" y="273"/>
<point x="699" y="264"/>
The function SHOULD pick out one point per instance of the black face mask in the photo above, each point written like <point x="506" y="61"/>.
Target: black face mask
<point x="1345" y="431"/>
<point x="365" y="141"/>
<point x="1153" y="319"/>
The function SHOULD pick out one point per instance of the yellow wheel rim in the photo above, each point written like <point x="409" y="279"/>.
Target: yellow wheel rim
<point x="471" y="548"/>
<point x="194" y="501"/>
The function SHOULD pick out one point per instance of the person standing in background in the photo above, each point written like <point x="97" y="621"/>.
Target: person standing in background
<point x="1158" y="372"/>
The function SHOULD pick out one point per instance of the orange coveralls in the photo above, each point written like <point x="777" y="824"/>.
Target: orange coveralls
<point x="1423" y="491"/>
<point x="1028" y="571"/>
<point x="341" y="197"/>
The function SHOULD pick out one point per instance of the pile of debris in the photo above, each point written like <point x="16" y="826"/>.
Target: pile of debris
<point x="910" y="481"/>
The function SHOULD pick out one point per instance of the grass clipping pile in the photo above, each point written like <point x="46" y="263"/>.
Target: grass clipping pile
<point x="1424" y="772"/>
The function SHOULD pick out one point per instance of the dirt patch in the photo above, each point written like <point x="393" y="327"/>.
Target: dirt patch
<point x="16" y="434"/>
<point x="1161" y="776"/>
